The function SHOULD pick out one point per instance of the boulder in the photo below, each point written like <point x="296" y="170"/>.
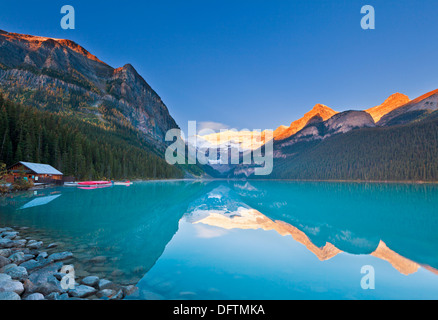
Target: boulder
<point x="17" y="273"/>
<point x="129" y="290"/>
<point x="9" y="285"/>
<point x="34" y="296"/>
<point x="60" y="256"/>
<point x="42" y="275"/>
<point x="5" y="252"/>
<point x="9" y="235"/>
<point x="32" y="244"/>
<point x="5" y="243"/>
<point x="90" y="281"/>
<point x="9" y="295"/>
<point x="17" y="258"/>
<point x="18" y="243"/>
<point x="82" y="291"/>
<point x="53" y="296"/>
<point x="42" y="255"/>
<point x="52" y="245"/>
<point x="7" y="267"/>
<point x="106" y="284"/>
<point x="4" y="261"/>
<point x="105" y="293"/>
<point x="118" y="296"/>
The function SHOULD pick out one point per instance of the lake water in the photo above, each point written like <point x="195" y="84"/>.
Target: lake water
<point x="244" y="240"/>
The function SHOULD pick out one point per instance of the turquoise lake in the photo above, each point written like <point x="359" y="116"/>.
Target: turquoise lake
<point x="244" y="240"/>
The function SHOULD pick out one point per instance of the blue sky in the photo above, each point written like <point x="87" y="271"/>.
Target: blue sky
<point x="250" y="63"/>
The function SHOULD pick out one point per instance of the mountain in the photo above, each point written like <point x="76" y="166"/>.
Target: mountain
<point x="320" y="110"/>
<point x="416" y="109"/>
<point x="76" y="147"/>
<point x="402" y="145"/>
<point x="398" y="153"/>
<point x="61" y="105"/>
<point x="242" y="140"/>
<point x="59" y="75"/>
<point x="393" y="102"/>
<point x="317" y="129"/>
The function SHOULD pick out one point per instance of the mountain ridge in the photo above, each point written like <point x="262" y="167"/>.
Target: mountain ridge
<point x="318" y="110"/>
<point x="393" y="102"/>
<point x="62" y="76"/>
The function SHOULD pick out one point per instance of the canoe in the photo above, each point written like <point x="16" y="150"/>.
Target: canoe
<point x="94" y="183"/>
<point x="126" y="183"/>
<point x="70" y="184"/>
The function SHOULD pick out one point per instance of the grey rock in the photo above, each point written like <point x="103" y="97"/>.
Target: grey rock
<point x="9" y="295"/>
<point x="33" y="264"/>
<point x="52" y="245"/>
<point x="105" y="293"/>
<point x="5" y="243"/>
<point x="64" y="296"/>
<point x="42" y="255"/>
<point x="17" y="258"/>
<point x="4" y="277"/>
<point x="44" y="283"/>
<point x="129" y="290"/>
<point x="118" y="296"/>
<point x="11" y="285"/>
<point x="34" y="296"/>
<point x="42" y="275"/>
<point x="60" y="256"/>
<point x="28" y="257"/>
<point x="47" y="288"/>
<point x="82" y="291"/>
<point x="5" y="229"/>
<point x="17" y="273"/>
<point x="9" y="235"/>
<point x="52" y="280"/>
<point x="7" y="267"/>
<point x="106" y="284"/>
<point x="29" y="287"/>
<point x="91" y="281"/>
<point x="53" y="296"/>
<point x="32" y="244"/>
<point x="4" y="261"/>
<point x="18" y="243"/>
<point x="5" y="252"/>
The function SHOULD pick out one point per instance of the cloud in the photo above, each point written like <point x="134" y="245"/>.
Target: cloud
<point x="211" y="125"/>
<point x="207" y="232"/>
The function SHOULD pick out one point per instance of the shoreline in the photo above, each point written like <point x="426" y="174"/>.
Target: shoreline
<point x="301" y="180"/>
<point x="33" y="270"/>
<point x="401" y="182"/>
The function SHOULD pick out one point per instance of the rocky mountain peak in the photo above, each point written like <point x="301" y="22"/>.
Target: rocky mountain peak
<point x="35" y="42"/>
<point x="85" y="85"/>
<point x="412" y="110"/>
<point x="319" y="110"/>
<point x="394" y="101"/>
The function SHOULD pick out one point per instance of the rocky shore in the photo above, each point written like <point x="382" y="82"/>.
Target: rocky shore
<point x="28" y="272"/>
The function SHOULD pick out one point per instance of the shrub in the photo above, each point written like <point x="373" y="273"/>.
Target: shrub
<point x="22" y="185"/>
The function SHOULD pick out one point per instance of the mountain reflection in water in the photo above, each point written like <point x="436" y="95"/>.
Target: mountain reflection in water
<point x="218" y="239"/>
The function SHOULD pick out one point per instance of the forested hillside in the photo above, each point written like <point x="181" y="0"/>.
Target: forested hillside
<point x="398" y="153"/>
<point x="87" y="151"/>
